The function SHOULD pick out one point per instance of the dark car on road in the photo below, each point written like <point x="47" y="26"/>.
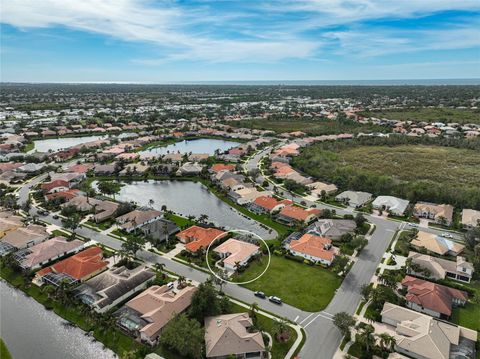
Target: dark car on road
<point x="260" y="294"/>
<point x="275" y="300"/>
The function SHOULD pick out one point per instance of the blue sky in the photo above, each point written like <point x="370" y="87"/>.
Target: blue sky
<point x="167" y="41"/>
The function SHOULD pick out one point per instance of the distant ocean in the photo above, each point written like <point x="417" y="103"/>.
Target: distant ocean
<point x="344" y="82"/>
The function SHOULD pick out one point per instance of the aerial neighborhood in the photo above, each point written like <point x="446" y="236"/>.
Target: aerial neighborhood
<point x="246" y="225"/>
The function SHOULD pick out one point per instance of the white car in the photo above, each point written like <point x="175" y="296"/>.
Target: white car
<point x="447" y="235"/>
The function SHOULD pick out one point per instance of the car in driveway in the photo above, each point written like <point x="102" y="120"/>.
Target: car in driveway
<point x="259" y="294"/>
<point x="275" y="300"/>
<point x="447" y="235"/>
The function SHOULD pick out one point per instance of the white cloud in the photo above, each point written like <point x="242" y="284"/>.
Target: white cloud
<point x="253" y="32"/>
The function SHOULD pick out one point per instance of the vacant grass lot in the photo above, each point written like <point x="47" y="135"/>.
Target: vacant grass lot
<point x="4" y="353"/>
<point x="312" y="127"/>
<point x="416" y="172"/>
<point x="306" y="287"/>
<point x="429" y="115"/>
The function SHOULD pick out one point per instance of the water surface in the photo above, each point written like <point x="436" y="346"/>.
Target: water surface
<point x="31" y="331"/>
<point x="202" y="145"/>
<point x="190" y="198"/>
<point x="56" y="144"/>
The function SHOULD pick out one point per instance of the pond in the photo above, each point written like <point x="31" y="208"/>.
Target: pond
<point x="190" y="198"/>
<point x="56" y="144"/>
<point x="202" y="145"/>
<point x="30" y="331"/>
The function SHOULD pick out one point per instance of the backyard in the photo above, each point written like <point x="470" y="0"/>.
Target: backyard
<point x="304" y="286"/>
<point x="469" y="316"/>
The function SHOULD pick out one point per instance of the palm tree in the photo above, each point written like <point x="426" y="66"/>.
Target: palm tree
<point x="165" y="231"/>
<point x="387" y="341"/>
<point x="253" y="312"/>
<point x="366" y="338"/>
<point x="181" y="281"/>
<point x="280" y="330"/>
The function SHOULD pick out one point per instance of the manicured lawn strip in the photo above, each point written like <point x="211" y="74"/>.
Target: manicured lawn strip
<point x="180" y="221"/>
<point x="306" y="287"/>
<point x="360" y="307"/>
<point x="279" y="350"/>
<point x="355" y="350"/>
<point x="4" y="353"/>
<point x="28" y="147"/>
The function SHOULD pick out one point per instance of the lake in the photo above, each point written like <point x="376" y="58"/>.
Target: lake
<point x="202" y="145"/>
<point x="56" y="144"/>
<point x="31" y="331"/>
<point x="190" y="198"/>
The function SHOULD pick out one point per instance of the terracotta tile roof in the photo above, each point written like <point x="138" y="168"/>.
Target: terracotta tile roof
<point x="270" y="203"/>
<point x="54" y="184"/>
<point x="221" y="166"/>
<point x="315" y="246"/>
<point x="197" y="237"/>
<point x="71" y="193"/>
<point x="436" y="297"/>
<point x="79" y="266"/>
<point x="299" y="213"/>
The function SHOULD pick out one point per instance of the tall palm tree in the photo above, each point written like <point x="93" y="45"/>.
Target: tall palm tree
<point x="366" y="337"/>
<point x="253" y="312"/>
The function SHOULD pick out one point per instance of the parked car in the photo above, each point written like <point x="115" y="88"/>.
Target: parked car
<point x="55" y="216"/>
<point x="275" y="300"/>
<point x="260" y="294"/>
<point x="447" y="235"/>
<point x="412" y="224"/>
<point x="43" y="212"/>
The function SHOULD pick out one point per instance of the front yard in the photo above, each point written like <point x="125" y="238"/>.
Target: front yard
<point x="304" y="286"/>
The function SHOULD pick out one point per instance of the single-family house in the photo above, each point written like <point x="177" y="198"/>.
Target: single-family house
<point x="236" y="253"/>
<point x="43" y="253"/>
<point x="113" y="286"/>
<point x="291" y="215"/>
<point x="232" y="334"/>
<point x="439" y="268"/>
<point x="439" y="213"/>
<point x="420" y="336"/>
<point x="137" y="219"/>
<point x="395" y="205"/>
<point x="147" y="314"/>
<point x="436" y="244"/>
<point x="267" y="204"/>
<point x="470" y="218"/>
<point x="431" y="298"/>
<point x="160" y="229"/>
<point x="314" y="248"/>
<point x="354" y="198"/>
<point x="77" y="268"/>
<point x="332" y="228"/>
<point x="196" y="237"/>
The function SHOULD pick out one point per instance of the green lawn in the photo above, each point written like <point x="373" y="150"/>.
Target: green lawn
<point x="4" y="353"/>
<point x="279" y="350"/>
<point x="468" y="316"/>
<point x="306" y="287"/>
<point x="429" y="115"/>
<point x="182" y="222"/>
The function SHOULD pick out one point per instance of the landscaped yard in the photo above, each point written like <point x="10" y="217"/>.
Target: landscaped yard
<point x="306" y="287"/>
